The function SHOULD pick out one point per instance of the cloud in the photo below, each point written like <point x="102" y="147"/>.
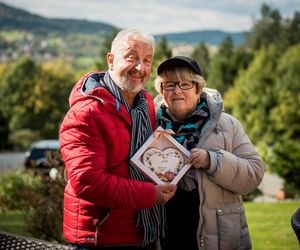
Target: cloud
<point x="160" y="16"/>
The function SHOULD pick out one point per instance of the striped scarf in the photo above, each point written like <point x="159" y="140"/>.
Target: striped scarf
<point x="152" y="220"/>
<point x="188" y="132"/>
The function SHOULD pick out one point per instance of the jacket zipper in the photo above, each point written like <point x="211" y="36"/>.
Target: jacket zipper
<point x="98" y="224"/>
<point x="202" y="217"/>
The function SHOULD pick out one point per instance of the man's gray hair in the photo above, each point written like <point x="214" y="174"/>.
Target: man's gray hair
<point x="126" y="34"/>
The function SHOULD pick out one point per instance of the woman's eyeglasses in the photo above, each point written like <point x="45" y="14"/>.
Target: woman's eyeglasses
<point x="169" y="86"/>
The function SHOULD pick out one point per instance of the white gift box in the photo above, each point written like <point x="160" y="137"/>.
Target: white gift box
<point x="162" y="158"/>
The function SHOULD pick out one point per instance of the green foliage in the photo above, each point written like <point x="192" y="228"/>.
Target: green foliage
<point x="14" y="94"/>
<point x="13" y="221"/>
<point x="45" y="216"/>
<point x="268" y="29"/>
<point x="270" y="113"/>
<point x="291" y="32"/>
<point x="101" y="63"/>
<point x="272" y="29"/>
<point x="39" y="197"/>
<point x="227" y="64"/>
<point x="162" y="52"/>
<point x="220" y="73"/>
<point x="286" y="115"/>
<point x="35" y="99"/>
<point x="4" y="132"/>
<point x="252" y="195"/>
<point x="285" y="161"/>
<point x="17" y="189"/>
<point x="201" y="55"/>
<point x="284" y="154"/>
<point x="252" y="96"/>
<point x="23" y="137"/>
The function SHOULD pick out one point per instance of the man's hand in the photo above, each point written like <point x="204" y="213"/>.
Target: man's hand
<point x="164" y="193"/>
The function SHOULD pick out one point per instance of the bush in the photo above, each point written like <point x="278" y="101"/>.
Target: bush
<point x="39" y="196"/>
<point x="44" y="218"/>
<point x="17" y="189"/>
<point x="252" y="195"/>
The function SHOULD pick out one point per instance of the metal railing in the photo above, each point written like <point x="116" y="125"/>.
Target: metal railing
<point x="12" y="242"/>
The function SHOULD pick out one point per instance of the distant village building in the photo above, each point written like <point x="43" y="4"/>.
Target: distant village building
<point x="187" y="50"/>
<point x="184" y="50"/>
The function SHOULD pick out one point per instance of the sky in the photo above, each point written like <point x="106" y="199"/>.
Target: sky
<point x="161" y="16"/>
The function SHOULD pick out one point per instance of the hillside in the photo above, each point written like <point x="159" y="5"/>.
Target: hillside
<point x="78" y="41"/>
<point x="213" y="37"/>
<point x="12" y="19"/>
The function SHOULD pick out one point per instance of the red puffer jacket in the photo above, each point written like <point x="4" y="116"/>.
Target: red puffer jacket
<point x="100" y="200"/>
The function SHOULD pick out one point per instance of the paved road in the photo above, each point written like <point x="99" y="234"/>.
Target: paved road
<point x="270" y="185"/>
<point x="11" y="161"/>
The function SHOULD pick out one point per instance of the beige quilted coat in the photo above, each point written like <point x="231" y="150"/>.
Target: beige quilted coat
<point x="236" y="169"/>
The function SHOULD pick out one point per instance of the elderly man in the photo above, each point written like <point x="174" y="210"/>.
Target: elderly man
<point x="108" y="202"/>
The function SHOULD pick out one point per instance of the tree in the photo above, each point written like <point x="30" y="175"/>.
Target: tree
<point x="284" y="157"/>
<point x="201" y="55"/>
<point x="15" y="94"/>
<point x="267" y="30"/>
<point x="220" y="71"/>
<point x="53" y="91"/>
<point x="4" y="131"/>
<point x="252" y="96"/>
<point x="266" y="98"/>
<point x="291" y="31"/>
<point x="162" y="52"/>
<point x="34" y="99"/>
<point x="286" y="115"/>
<point x="104" y="49"/>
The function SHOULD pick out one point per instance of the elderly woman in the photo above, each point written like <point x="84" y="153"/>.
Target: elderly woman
<point x="207" y="211"/>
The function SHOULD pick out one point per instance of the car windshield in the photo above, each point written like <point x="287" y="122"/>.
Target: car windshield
<point x="38" y="153"/>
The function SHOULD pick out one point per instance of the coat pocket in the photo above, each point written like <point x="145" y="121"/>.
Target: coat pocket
<point x="233" y="229"/>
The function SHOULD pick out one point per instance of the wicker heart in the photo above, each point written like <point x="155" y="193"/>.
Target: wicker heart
<point x="166" y="164"/>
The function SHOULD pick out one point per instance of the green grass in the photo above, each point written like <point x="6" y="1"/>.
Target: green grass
<point x="13" y="222"/>
<point x="269" y="223"/>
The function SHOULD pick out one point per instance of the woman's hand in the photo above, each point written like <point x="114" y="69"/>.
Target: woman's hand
<point x="199" y="158"/>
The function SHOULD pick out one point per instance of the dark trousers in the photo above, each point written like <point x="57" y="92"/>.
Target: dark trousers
<point x="150" y="247"/>
<point x="182" y="221"/>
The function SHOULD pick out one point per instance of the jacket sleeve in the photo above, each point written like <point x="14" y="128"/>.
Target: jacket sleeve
<point x="241" y="169"/>
<point x="85" y="155"/>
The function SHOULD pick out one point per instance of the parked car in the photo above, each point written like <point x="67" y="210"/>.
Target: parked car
<point x="36" y="155"/>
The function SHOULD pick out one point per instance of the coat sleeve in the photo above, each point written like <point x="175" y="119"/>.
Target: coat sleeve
<point x="240" y="169"/>
<point x="85" y="155"/>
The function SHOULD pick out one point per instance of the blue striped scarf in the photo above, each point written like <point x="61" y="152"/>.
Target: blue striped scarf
<point x="188" y="132"/>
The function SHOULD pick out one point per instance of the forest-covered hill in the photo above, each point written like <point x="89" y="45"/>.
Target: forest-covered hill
<point x="16" y="19"/>
<point x="12" y="19"/>
<point x="77" y="41"/>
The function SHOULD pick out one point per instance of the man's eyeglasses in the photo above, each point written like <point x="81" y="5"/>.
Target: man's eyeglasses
<point x="169" y="86"/>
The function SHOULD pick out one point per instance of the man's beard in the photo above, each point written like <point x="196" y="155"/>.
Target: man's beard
<point x="126" y="85"/>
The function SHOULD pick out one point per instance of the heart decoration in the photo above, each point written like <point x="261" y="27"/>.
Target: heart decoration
<point x="165" y="164"/>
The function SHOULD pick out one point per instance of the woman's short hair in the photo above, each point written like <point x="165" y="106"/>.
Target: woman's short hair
<point x="179" y="74"/>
